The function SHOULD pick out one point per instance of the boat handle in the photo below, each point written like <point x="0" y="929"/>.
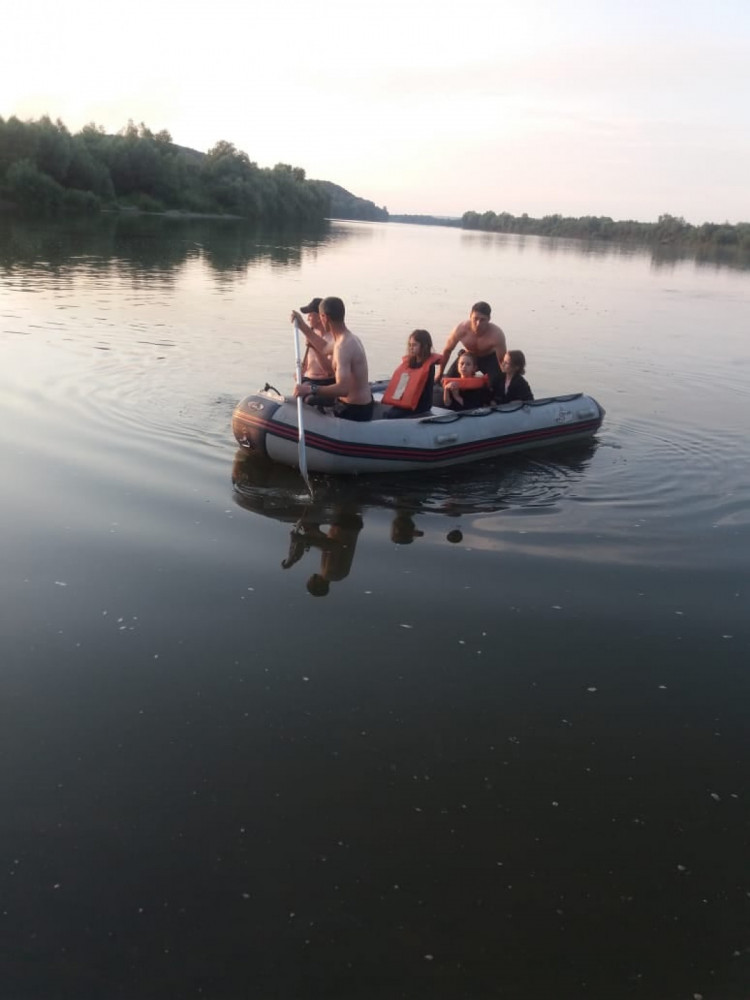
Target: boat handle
<point x="446" y="438"/>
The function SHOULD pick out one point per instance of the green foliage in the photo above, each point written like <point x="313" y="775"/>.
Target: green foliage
<point x="668" y="230"/>
<point x="37" y="193"/>
<point x="427" y="220"/>
<point x="81" y="202"/>
<point x="342" y="204"/>
<point x="40" y="161"/>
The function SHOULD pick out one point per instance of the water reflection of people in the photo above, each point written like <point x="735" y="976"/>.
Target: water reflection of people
<point x="337" y="547"/>
<point x="403" y="529"/>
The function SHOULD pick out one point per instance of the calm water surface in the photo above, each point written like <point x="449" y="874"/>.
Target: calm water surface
<point x="502" y="754"/>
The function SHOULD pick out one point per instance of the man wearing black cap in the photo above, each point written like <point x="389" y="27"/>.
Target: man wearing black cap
<point x="317" y="367"/>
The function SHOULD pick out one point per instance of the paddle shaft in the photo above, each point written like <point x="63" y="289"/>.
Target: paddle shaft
<point x="300" y="412"/>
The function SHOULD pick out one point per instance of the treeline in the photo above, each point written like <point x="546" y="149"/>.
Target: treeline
<point x="427" y="220"/>
<point x="45" y="169"/>
<point x="669" y="229"/>
<point x="345" y="205"/>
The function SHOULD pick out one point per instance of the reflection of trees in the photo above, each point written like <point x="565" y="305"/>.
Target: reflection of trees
<point x="670" y="238"/>
<point x="157" y="245"/>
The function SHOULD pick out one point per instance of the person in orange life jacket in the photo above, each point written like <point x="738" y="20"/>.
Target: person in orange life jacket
<point x="415" y="374"/>
<point x="455" y="397"/>
<point x="512" y="386"/>
<point x="317" y="366"/>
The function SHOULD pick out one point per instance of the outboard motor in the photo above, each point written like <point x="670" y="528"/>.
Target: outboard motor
<point x="251" y="418"/>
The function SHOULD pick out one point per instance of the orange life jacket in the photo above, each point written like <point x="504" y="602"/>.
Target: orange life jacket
<point x="480" y="381"/>
<point x="406" y="384"/>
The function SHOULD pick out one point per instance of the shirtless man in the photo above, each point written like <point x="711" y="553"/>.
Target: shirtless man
<point x="351" y="390"/>
<point x="480" y="337"/>
<point x="317" y="369"/>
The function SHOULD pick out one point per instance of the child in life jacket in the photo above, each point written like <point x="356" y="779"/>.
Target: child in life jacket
<point x="409" y="391"/>
<point x="470" y="390"/>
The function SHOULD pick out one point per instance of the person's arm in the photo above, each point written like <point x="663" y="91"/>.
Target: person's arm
<point x="450" y="343"/>
<point x="318" y="344"/>
<point x="452" y="394"/>
<point x="501" y="348"/>
<point x="524" y="390"/>
<point x="341" y="387"/>
<point x="300" y="322"/>
<point x="324" y="357"/>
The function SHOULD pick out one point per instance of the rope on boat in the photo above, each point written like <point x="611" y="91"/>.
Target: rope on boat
<point x="484" y="411"/>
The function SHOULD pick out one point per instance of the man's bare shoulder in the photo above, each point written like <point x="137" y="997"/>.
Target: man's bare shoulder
<point x="350" y="344"/>
<point x="459" y="331"/>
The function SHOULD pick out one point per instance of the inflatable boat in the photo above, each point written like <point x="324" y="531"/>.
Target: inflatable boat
<point x="265" y="423"/>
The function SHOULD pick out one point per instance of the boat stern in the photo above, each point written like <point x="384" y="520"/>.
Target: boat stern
<point x="251" y="419"/>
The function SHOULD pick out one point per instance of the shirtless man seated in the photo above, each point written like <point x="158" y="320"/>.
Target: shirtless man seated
<point x="481" y="338"/>
<point x="350" y="394"/>
<point x="316" y="367"/>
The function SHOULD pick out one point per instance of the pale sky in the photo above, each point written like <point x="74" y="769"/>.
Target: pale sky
<point x="627" y="108"/>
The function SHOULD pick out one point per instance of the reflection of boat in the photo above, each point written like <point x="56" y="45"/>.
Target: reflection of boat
<point x="266" y="423"/>
<point x="536" y="481"/>
<point x="327" y="524"/>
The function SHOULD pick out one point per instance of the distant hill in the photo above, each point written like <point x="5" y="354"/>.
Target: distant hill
<point x="345" y="205"/>
<point x="427" y="220"/>
<point x="45" y="170"/>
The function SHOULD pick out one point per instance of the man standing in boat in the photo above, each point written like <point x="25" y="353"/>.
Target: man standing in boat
<point x="480" y="337"/>
<point x="350" y="394"/>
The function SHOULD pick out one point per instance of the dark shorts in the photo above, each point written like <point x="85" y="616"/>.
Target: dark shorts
<point x="315" y="382"/>
<point x="354" y="411"/>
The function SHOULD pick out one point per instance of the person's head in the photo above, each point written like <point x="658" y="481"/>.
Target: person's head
<point x="331" y="310"/>
<point x="419" y="345"/>
<point x="312" y="311"/>
<point x="403" y="530"/>
<point x="318" y="586"/>
<point x="514" y="363"/>
<point x="467" y="365"/>
<point x="479" y="317"/>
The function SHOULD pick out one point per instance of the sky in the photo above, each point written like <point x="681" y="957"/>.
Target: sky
<point x="625" y="108"/>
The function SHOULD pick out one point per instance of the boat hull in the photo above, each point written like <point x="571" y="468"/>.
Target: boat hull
<point x="266" y="423"/>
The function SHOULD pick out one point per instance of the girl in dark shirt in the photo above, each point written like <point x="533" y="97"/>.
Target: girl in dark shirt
<point x="512" y="386"/>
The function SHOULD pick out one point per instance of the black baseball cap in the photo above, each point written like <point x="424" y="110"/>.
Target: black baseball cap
<point x="312" y="306"/>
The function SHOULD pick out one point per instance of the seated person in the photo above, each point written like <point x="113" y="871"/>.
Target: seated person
<point x="512" y="387"/>
<point x="475" y="390"/>
<point x="350" y="394"/>
<point x="317" y="365"/>
<point x="410" y="389"/>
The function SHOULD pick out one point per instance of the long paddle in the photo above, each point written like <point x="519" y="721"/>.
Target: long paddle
<point x="300" y="405"/>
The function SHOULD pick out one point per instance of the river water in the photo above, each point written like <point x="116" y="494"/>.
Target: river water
<point x="474" y="734"/>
